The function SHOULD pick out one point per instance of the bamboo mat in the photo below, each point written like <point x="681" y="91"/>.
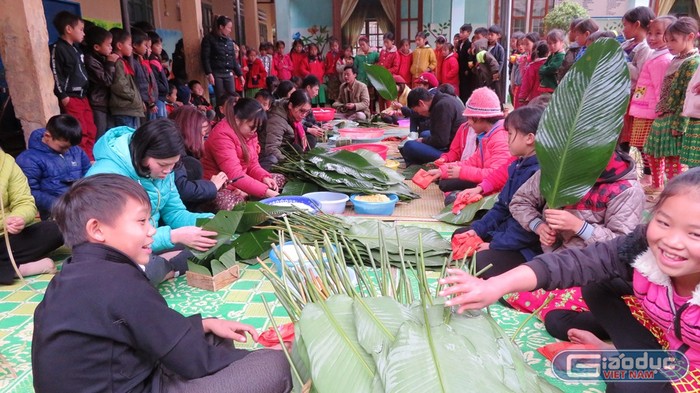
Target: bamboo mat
<point x="430" y="203"/>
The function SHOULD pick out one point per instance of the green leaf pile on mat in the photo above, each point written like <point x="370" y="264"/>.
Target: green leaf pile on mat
<point x="361" y="172"/>
<point x="376" y="337"/>
<point x="467" y="214"/>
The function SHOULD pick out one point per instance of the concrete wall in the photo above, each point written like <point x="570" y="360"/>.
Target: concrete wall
<point x="307" y="13"/>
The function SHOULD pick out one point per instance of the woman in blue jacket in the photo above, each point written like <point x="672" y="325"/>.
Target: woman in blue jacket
<point x="148" y="156"/>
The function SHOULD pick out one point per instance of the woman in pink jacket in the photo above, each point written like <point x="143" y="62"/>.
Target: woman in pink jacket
<point x="232" y="147"/>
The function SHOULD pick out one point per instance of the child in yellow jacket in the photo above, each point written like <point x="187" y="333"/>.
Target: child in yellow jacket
<point x="424" y="59"/>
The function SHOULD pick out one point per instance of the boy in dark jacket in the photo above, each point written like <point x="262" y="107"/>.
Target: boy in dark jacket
<point x="145" y="79"/>
<point x="103" y="327"/>
<point x="100" y="64"/>
<point x="125" y="102"/>
<point x="53" y="161"/>
<point x="159" y="72"/>
<point x="71" y="77"/>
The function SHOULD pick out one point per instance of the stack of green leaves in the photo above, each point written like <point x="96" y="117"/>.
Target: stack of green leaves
<point x="361" y="172"/>
<point x="378" y="337"/>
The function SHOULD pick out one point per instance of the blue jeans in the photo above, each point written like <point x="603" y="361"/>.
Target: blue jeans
<point x="414" y="152"/>
<point x="129" y="121"/>
<point x="162" y="112"/>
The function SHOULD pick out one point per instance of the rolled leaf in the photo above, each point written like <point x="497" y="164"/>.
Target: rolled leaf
<point x="467" y="214"/>
<point x="383" y="81"/>
<point x="580" y="127"/>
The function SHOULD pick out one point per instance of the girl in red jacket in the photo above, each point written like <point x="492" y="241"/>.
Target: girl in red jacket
<point x="299" y="58"/>
<point x="316" y="68"/>
<point x="530" y="88"/>
<point x="439" y="56"/>
<point x="389" y="59"/>
<point x="282" y="63"/>
<point x="450" y="67"/>
<point x="405" y="60"/>
<point x="332" y="79"/>
<point x="232" y="147"/>
<point x="256" y="75"/>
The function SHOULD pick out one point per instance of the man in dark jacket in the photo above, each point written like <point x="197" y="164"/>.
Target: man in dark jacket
<point x="52" y="161"/>
<point x="464" y="57"/>
<point x="445" y="113"/>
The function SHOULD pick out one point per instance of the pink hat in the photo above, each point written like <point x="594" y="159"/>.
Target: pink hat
<point x="428" y="78"/>
<point x="483" y="103"/>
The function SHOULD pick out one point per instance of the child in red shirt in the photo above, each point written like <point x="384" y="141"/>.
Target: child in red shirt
<point x="256" y="75"/>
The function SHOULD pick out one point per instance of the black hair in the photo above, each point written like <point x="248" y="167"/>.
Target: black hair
<point x="65" y="127"/>
<point x="481" y="31"/>
<point x="574" y="22"/>
<point x="586" y="25"/>
<point x="64" y="19"/>
<point x="534" y="37"/>
<point x="154" y="37"/>
<point x="278" y="43"/>
<point x="246" y="109"/>
<point x="495" y="29"/>
<point x="418" y="94"/>
<point x="683" y="26"/>
<point x="350" y="67"/>
<point x="271" y="83"/>
<point x="447" y="88"/>
<point x="541" y="100"/>
<point x="441" y="40"/>
<point x="119" y="36"/>
<point x="450" y="47"/>
<point x="96" y="35"/>
<point x="679" y="185"/>
<point x="264" y="94"/>
<point x="191" y="84"/>
<point x="643" y="15"/>
<point x="158" y="138"/>
<point x="525" y="119"/>
<point x="389" y="36"/>
<point x="296" y="80"/>
<point x="541" y="49"/>
<point x="299" y="98"/>
<point x="284" y="88"/>
<point x="100" y="197"/>
<point x="422" y="34"/>
<point x="555" y="35"/>
<point x="138" y="36"/>
<point x="518" y="35"/>
<point x="250" y="50"/>
<point x="404" y="41"/>
<point x="221" y="21"/>
<point x="601" y="34"/>
<point x="466" y="27"/>
<point x="143" y="26"/>
<point x="310" y="81"/>
<point x="171" y="87"/>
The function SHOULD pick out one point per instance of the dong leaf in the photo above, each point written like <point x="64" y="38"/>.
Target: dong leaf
<point x="224" y="223"/>
<point x="580" y="127"/>
<point x="254" y="243"/>
<point x="383" y="81"/>
<point x="466" y="215"/>
<point x="193" y="267"/>
<point x="255" y="213"/>
<point x="298" y="187"/>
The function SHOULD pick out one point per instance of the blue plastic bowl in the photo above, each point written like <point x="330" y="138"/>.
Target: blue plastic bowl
<point x="375" y="208"/>
<point x="300" y="202"/>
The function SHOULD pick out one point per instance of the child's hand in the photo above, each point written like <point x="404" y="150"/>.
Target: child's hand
<point x="14" y="224"/>
<point x="547" y="235"/>
<point x="219" y="180"/>
<point x="470" y="192"/>
<point x="193" y="237"/>
<point x="496" y="77"/>
<point x="434" y="172"/>
<point x="439" y="161"/>
<point x="154" y="109"/>
<point x="453" y="171"/>
<point x="270" y="183"/>
<point x="469" y="292"/>
<point x="113" y="57"/>
<point x="229" y="329"/>
<point x="210" y="78"/>
<point x="65" y="101"/>
<point x="483" y="246"/>
<point x="315" y="131"/>
<point x="561" y="220"/>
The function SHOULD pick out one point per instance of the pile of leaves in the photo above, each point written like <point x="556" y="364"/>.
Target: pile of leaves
<point x="360" y="172"/>
<point x="380" y="337"/>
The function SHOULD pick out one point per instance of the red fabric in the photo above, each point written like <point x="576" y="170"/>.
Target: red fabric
<point x="549" y="351"/>
<point x="405" y="67"/>
<point x="256" y="75"/>
<point x="128" y="69"/>
<point x="329" y="64"/>
<point x="81" y="110"/>
<point x="223" y="152"/>
<point x="390" y="60"/>
<point x="450" y="72"/>
<point x="317" y="68"/>
<point x="300" y="135"/>
<point x="605" y="189"/>
<point x="269" y="338"/>
<point x="495" y="180"/>
<point x="465" y="244"/>
<point x="440" y="59"/>
<point x="300" y="64"/>
<point x="529" y="88"/>
<point x="422" y="179"/>
<point x="283" y="66"/>
<point x="490" y="155"/>
<point x="463" y="200"/>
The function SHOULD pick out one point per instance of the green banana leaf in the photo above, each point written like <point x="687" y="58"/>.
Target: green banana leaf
<point x="255" y="213"/>
<point x="224" y="223"/>
<point x="254" y="243"/>
<point x="467" y="214"/>
<point x="383" y="81"/>
<point x="346" y="163"/>
<point x="337" y="362"/>
<point x="367" y="232"/>
<point x="580" y="127"/>
<point x="298" y="187"/>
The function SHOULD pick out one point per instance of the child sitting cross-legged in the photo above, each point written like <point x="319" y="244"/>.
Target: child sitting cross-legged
<point x="103" y="327"/>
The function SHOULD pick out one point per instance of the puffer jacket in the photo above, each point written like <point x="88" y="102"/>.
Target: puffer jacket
<point x="648" y="91"/>
<point x="113" y="155"/>
<point x="277" y="133"/>
<point x="389" y="59"/>
<point x="491" y="153"/>
<point x="17" y="198"/>
<point x="223" y="151"/>
<point x="101" y="74"/>
<point x="613" y="207"/>
<point x="465" y="139"/>
<point x="218" y="56"/>
<point x="498" y="226"/>
<point x="50" y="173"/>
<point x="629" y="258"/>
<point x="423" y="58"/>
<point x="125" y="99"/>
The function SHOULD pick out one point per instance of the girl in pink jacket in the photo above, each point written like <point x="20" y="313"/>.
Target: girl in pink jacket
<point x="232" y="147"/>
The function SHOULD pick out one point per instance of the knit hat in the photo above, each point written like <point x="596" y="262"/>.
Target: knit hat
<point x="483" y="103"/>
<point x="427" y="77"/>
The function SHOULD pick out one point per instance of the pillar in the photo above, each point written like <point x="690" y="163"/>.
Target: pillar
<point x="252" y="25"/>
<point x="191" y="25"/>
<point x="24" y="47"/>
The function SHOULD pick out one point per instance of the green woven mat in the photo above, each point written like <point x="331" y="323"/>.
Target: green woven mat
<point x="241" y="301"/>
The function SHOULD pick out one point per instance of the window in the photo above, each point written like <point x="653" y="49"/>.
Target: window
<point x="207" y="17"/>
<point x="538" y="10"/>
<point x="519" y="16"/>
<point x="410" y="15"/>
<point x="373" y="32"/>
<point x="141" y="11"/>
<point x="684" y="8"/>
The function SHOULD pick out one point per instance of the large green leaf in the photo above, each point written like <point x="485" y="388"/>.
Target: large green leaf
<point x="468" y="212"/>
<point x="337" y="361"/>
<point x="255" y="213"/>
<point x="383" y="81"/>
<point x="254" y="243"/>
<point x="346" y="163"/>
<point x="580" y="127"/>
<point x="366" y="231"/>
<point x="224" y="223"/>
<point x="298" y="187"/>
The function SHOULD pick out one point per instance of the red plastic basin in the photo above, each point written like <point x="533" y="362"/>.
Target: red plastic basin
<point x="323" y="114"/>
<point x="374" y="147"/>
<point x="361" y="133"/>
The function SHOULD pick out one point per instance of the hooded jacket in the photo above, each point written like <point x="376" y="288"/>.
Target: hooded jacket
<point x="50" y="173"/>
<point x="498" y="226"/>
<point x="112" y="155"/>
<point x="648" y="91"/>
<point x="491" y="153"/>
<point x="404" y="71"/>
<point x="612" y="207"/>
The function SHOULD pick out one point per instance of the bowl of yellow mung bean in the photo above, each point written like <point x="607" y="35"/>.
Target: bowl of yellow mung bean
<point x="375" y="204"/>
